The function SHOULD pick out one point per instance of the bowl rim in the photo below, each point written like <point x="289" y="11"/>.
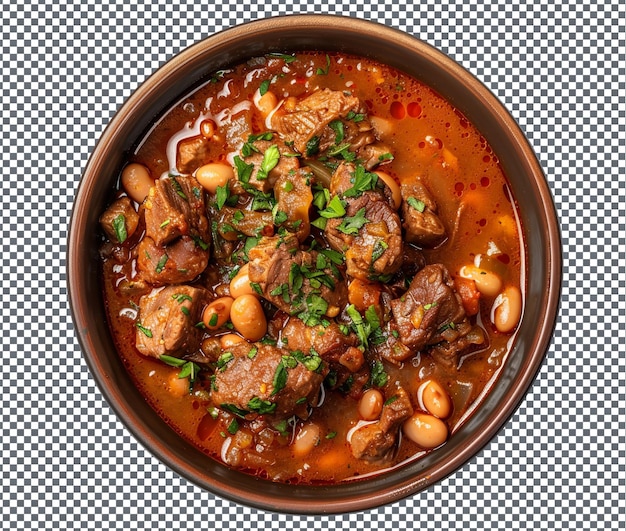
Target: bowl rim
<point x="407" y="485"/>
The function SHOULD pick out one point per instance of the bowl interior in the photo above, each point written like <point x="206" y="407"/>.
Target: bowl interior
<point x="326" y="33"/>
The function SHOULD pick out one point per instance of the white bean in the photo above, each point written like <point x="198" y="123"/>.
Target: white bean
<point x="371" y="404"/>
<point x="425" y="430"/>
<point x="487" y="282"/>
<point x="307" y="439"/>
<point x="507" y="309"/>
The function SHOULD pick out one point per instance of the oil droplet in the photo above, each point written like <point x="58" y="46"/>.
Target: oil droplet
<point x="397" y="110"/>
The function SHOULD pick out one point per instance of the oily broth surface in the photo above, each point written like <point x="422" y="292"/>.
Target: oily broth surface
<point x="429" y="139"/>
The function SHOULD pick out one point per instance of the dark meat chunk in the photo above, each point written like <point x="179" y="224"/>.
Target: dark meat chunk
<point x="311" y="117"/>
<point x="192" y="153"/>
<point x="374" y="154"/>
<point x="298" y="282"/>
<point x="376" y="441"/>
<point x="269" y="160"/>
<point x="428" y="308"/>
<point x="419" y="212"/>
<point x="293" y="194"/>
<point x="266" y="379"/>
<point x="167" y="319"/>
<point x="119" y="221"/>
<point x="182" y="261"/>
<point x="373" y="251"/>
<point x="175" y="207"/>
<point x="232" y="223"/>
<point x="329" y="342"/>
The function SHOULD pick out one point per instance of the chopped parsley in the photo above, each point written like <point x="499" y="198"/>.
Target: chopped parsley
<point x="146" y="331"/>
<point x="334" y="209"/>
<point x="161" y="264"/>
<point x="415" y="203"/>
<point x="119" y="226"/>
<point x="262" y="407"/>
<point x="324" y="71"/>
<point x="352" y="225"/>
<point x="378" y="376"/>
<point x="363" y="181"/>
<point x="269" y="162"/>
<point x="264" y="87"/>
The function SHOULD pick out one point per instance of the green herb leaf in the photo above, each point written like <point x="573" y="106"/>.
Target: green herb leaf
<point x="363" y="182"/>
<point x="146" y="331"/>
<point x="337" y="127"/>
<point x="352" y="225"/>
<point x="260" y="406"/>
<point x="119" y="226"/>
<point x="177" y="187"/>
<point x="280" y="378"/>
<point x="224" y="359"/>
<point x="161" y="264"/>
<point x="244" y="170"/>
<point x="233" y="427"/>
<point x="335" y="209"/>
<point x="378" y="376"/>
<point x="221" y="195"/>
<point x="264" y="87"/>
<point x="270" y="160"/>
<point x="324" y="71"/>
<point x="171" y="360"/>
<point x="312" y="146"/>
<point x="232" y="408"/>
<point x="415" y="203"/>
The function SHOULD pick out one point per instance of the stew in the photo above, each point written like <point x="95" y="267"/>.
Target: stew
<point x="313" y="267"/>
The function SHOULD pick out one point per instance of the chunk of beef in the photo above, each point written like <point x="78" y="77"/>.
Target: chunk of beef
<point x="175" y="207"/>
<point x="373" y="250"/>
<point x="376" y="441"/>
<point x="329" y="342"/>
<point x="298" y="282"/>
<point x="311" y="116"/>
<point x="269" y="160"/>
<point x="119" y="221"/>
<point x="167" y="319"/>
<point x="428" y="308"/>
<point x="192" y="153"/>
<point x="419" y="212"/>
<point x="374" y="154"/>
<point x="233" y="222"/>
<point x="293" y="194"/>
<point x="345" y="177"/>
<point x="266" y="379"/>
<point x="179" y="262"/>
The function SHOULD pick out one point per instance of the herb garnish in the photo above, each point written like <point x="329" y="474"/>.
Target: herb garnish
<point x="119" y="226"/>
<point x="418" y="205"/>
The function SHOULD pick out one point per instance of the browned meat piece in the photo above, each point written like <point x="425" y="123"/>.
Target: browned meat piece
<point x="293" y="194"/>
<point x="167" y="319"/>
<point x="429" y="307"/>
<point x="376" y="441"/>
<point x="457" y="340"/>
<point x="182" y="261"/>
<point x="270" y="159"/>
<point x="419" y="211"/>
<point x="298" y="282"/>
<point x="329" y="342"/>
<point x="312" y="115"/>
<point x="370" y="235"/>
<point x="267" y="380"/>
<point x="344" y="179"/>
<point x="192" y="153"/>
<point x="233" y="222"/>
<point x="120" y="220"/>
<point x="175" y="207"/>
<point x="373" y="154"/>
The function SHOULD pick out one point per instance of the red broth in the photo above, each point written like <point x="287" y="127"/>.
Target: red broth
<point x="430" y="140"/>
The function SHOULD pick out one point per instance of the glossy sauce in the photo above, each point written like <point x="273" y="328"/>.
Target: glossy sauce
<point x="428" y="138"/>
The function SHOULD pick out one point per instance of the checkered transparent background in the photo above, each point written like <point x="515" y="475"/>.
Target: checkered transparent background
<point x="67" y="463"/>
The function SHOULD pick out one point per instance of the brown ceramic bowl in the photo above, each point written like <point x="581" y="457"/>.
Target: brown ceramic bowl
<point x="326" y="33"/>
